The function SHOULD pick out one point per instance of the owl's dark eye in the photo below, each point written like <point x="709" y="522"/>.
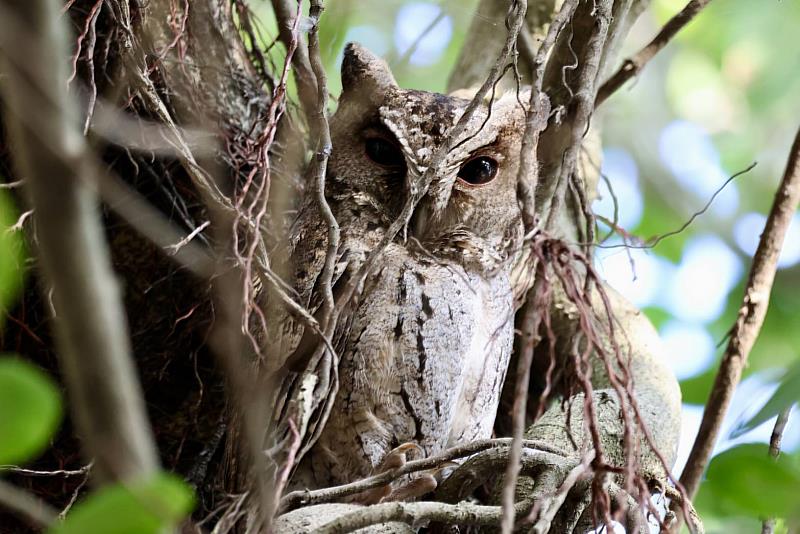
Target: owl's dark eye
<point x="478" y="171"/>
<point x="384" y="152"/>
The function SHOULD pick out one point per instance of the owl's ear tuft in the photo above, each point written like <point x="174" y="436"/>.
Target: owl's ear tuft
<point x="364" y="71"/>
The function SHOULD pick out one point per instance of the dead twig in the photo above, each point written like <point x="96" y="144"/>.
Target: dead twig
<point x="749" y="320"/>
<point x="768" y="525"/>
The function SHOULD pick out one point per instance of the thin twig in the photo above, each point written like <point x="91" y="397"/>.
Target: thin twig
<point x="324" y="149"/>
<point x="633" y="65"/>
<point x="749" y="320"/>
<point x="768" y="525"/>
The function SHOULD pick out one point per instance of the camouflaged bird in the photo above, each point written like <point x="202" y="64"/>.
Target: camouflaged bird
<point x="424" y="353"/>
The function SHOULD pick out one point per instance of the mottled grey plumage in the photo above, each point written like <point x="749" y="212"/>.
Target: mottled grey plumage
<point x="425" y="349"/>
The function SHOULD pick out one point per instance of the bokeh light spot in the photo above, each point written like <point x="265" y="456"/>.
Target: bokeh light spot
<point x="412" y="21"/>
<point x="620" y="169"/>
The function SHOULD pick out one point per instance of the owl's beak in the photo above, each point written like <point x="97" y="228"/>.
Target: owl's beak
<point x="421" y="220"/>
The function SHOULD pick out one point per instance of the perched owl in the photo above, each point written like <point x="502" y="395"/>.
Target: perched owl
<point x="424" y="351"/>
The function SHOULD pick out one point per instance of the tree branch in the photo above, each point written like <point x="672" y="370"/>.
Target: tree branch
<point x="748" y="323"/>
<point x="91" y="333"/>
<point x="634" y="65"/>
<point x="296" y="499"/>
<point x="285" y="13"/>
<point x="34" y="510"/>
<point x="415" y="513"/>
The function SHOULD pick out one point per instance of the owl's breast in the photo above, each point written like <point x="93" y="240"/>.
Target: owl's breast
<point x="423" y="361"/>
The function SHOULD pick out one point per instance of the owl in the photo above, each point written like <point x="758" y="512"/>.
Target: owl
<point x="424" y="350"/>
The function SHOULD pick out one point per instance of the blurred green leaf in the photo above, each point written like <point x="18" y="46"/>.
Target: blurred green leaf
<point x="788" y="393"/>
<point x="11" y="255"/>
<point x="149" y="507"/>
<point x="695" y="390"/>
<point x="746" y="481"/>
<point x="30" y="410"/>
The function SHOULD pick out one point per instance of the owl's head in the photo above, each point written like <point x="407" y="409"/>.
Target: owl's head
<point x="384" y="138"/>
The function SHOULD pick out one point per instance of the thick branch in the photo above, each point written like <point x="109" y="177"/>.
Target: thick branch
<point x="91" y="333"/>
<point x="415" y="513"/>
<point x="748" y="323"/>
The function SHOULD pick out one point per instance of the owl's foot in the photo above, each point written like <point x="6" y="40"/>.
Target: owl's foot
<point x="423" y="483"/>
<point x="394" y="459"/>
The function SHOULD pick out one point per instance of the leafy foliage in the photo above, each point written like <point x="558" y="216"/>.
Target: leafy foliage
<point x="787" y="394"/>
<point x="30" y="410"/>
<point x="746" y="481"/>
<point x="148" y="507"/>
<point x="11" y="255"/>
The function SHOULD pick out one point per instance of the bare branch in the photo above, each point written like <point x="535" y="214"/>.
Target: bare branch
<point x="91" y="333"/>
<point x="35" y="511"/>
<point x="634" y="65"/>
<point x="750" y="318"/>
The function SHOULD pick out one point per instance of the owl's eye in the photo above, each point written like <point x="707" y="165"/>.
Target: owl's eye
<point x="384" y="152"/>
<point x="478" y="171"/>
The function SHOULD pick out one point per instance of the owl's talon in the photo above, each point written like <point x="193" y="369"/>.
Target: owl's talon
<point x="397" y="457"/>
<point x="394" y="459"/>
<point x="416" y="487"/>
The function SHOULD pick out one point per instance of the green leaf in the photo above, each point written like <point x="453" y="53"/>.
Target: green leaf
<point x="788" y="393"/>
<point x="30" y="410"/>
<point x="11" y="255"/>
<point x="746" y="481"/>
<point x="152" y="506"/>
<point x="695" y="390"/>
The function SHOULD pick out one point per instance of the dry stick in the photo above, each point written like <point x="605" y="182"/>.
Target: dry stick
<point x="35" y="511"/>
<point x="750" y="318"/>
<point x="91" y="333"/>
<point x="633" y="65"/>
<point x="553" y="504"/>
<point x="768" y="526"/>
